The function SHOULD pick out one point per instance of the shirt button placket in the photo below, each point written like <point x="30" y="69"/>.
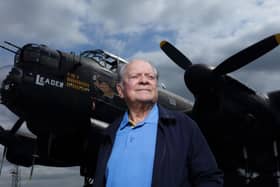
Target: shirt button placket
<point x="130" y="137"/>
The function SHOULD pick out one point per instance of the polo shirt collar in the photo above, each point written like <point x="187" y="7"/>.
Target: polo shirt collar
<point x="165" y="118"/>
<point x="148" y="119"/>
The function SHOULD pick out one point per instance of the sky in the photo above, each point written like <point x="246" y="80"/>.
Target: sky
<point x="206" y="31"/>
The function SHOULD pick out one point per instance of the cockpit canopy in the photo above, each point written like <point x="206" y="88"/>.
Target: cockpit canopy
<point x="104" y="59"/>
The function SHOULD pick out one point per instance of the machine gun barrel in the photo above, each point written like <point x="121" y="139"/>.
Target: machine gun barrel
<point x="12" y="45"/>
<point x="8" y="49"/>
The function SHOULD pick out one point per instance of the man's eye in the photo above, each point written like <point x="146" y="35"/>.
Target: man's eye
<point x="151" y="77"/>
<point x="133" y="77"/>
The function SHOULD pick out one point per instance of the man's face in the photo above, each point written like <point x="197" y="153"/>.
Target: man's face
<point x="139" y="83"/>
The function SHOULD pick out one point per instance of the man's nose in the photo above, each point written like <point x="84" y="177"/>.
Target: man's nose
<point x="144" y="79"/>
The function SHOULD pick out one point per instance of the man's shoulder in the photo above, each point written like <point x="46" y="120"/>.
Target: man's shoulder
<point x="179" y="124"/>
<point x="172" y="114"/>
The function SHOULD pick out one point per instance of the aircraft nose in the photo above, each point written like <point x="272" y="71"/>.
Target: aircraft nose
<point x="4" y="71"/>
<point x="9" y="76"/>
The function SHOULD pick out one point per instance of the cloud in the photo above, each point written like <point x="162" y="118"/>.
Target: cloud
<point x="49" y="21"/>
<point x="218" y="29"/>
<point x="125" y="16"/>
<point x="262" y="81"/>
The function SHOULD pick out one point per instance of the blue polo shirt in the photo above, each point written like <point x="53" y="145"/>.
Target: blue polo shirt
<point x="132" y="157"/>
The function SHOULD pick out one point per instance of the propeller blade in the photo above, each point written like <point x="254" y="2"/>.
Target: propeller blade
<point x="17" y="125"/>
<point x="3" y="157"/>
<point x="175" y="55"/>
<point x="247" y="55"/>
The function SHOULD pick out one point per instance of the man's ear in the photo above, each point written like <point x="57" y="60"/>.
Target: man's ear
<point x="120" y="90"/>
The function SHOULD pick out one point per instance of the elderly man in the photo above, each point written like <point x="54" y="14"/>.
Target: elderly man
<point x="150" y="145"/>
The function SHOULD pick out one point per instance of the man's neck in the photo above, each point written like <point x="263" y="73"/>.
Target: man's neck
<point x="138" y="113"/>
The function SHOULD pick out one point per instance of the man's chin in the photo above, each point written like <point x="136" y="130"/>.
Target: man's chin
<point x="146" y="100"/>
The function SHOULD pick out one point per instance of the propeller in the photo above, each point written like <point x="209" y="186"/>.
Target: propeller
<point x="207" y="84"/>
<point x="198" y="76"/>
<point x="231" y="64"/>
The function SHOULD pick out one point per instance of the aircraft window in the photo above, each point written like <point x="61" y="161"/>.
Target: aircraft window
<point x="104" y="59"/>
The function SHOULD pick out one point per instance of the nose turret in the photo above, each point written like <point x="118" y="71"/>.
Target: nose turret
<point x="4" y="71"/>
<point x="10" y="79"/>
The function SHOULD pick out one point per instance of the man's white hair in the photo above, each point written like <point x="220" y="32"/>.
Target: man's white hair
<point x="122" y="69"/>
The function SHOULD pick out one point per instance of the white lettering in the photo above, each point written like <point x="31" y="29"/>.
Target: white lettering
<point x="42" y="81"/>
<point x="47" y="81"/>
<point x="39" y="80"/>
